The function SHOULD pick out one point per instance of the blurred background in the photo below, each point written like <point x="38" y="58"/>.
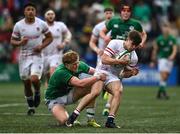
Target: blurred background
<point x="80" y="16"/>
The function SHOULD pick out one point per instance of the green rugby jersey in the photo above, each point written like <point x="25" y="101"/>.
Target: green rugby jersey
<point x="59" y="82"/>
<point x="165" y="45"/>
<point x="120" y="29"/>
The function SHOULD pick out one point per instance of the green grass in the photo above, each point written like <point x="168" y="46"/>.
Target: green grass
<point x="139" y="112"/>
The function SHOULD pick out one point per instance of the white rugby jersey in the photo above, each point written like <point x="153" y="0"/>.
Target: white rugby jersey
<point x="96" y="31"/>
<point x="57" y="30"/>
<point x="34" y="32"/>
<point x="113" y="49"/>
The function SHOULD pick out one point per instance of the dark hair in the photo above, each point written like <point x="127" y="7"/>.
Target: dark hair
<point x="30" y="4"/>
<point x="108" y="9"/>
<point x="48" y="10"/>
<point x="135" y="37"/>
<point x="70" y="57"/>
<point x="125" y="6"/>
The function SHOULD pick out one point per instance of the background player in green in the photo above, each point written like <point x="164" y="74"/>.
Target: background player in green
<point x="65" y="87"/>
<point x="165" y="50"/>
<point x="120" y="27"/>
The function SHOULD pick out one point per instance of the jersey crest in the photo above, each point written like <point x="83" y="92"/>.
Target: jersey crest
<point x="38" y="29"/>
<point x="131" y="28"/>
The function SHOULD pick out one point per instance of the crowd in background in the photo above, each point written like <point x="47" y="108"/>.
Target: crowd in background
<point x="81" y="15"/>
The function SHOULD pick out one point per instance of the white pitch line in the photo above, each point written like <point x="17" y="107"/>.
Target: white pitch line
<point x="36" y="114"/>
<point x="12" y="105"/>
<point x="19" y="104"/>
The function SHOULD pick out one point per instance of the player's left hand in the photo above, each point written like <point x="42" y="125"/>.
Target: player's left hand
<point x="171" y="58"/>
<point x="61" y="46"/>
<point x="135" y="71"/>
<point x="37" y="49"/>
<point x="141" y="45"/>
<point x="100" y="52"/>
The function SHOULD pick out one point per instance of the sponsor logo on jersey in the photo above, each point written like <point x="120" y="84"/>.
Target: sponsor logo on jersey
<point x="115" y="26"/>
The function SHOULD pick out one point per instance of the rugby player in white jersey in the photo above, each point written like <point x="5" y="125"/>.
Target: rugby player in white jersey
<point x="111" y="66"/>
<point x="28" y="36"/>
<point x="54" y="52"/>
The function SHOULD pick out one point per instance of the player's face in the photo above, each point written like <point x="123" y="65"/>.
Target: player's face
<point x="165" y="29"/>
<point x="125" y="13"/>
<point x="50" y="16"/>
<point x="108" y="15"/>
<point x="29" y="12"/>
<point x="74" y="67"/>
<point x="129" y="45"/>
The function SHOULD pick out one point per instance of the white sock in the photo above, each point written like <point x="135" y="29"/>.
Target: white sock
<point x="90" y="112"/>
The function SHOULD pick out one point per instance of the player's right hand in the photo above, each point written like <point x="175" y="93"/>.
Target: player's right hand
<point x="100" y="52"/>
<point x="124" y="61"/>
<point x="24" y="41"/>
<point x="102" y="76"/>
<point x="107" y="39"/>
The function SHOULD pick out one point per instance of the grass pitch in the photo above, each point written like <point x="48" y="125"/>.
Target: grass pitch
<point x="139" y="112"/>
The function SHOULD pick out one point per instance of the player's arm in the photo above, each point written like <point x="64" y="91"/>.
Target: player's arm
<point x="103" y="35"/>
<point x="93" y="45"/>
<point x="128" y="72"/>
<point x="74" y="81"/>
<point x="67" y="39"/>
<point x="46" y="41"/>
<point x="144" y="37"/>
<point x="18" y="42"/>
<point x="91" y="71"/>
<point x="106" y="59"/>
<point x="16" y="38"/>
<point x="173" y="54"/>
<point x="154" y="54"/>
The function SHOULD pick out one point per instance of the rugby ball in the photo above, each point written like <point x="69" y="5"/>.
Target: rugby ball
<point x="123" y="55"/>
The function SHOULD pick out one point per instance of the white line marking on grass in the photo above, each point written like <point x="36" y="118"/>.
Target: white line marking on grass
<point x="36" y="114"/>
<point x="12" y="105"/>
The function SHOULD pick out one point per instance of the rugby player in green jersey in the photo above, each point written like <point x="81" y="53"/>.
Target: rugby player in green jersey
<point x="65" y="87"/>
<point x="164" y="49"/>
<point x="120" y="27"/>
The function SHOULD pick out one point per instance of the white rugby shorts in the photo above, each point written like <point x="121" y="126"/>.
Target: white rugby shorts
<point x="165" y="65"/>
<point x="30" y="65"/>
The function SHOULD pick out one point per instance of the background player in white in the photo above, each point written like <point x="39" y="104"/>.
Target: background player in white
<point x="97" y="44"/>
<point x="111" y="66"/>
<point x="28" y="35"/>
<point x="54" y="52"/>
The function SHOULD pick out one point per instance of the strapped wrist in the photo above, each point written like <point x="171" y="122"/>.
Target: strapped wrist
<point x="98" y="77"/>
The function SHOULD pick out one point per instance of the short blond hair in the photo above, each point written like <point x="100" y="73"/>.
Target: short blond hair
<point x="70" y="57"/>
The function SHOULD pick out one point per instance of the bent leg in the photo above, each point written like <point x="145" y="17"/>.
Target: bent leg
<point x="115" y="88"/>
<point x="60" y="113"/>
<point x="90" y="97"/>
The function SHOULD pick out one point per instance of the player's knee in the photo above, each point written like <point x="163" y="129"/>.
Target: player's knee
<point x="95" y="94"/>
<point x="63" y="120"/>
<point x="34" y="79"/>
<point x="117" y="93"/>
